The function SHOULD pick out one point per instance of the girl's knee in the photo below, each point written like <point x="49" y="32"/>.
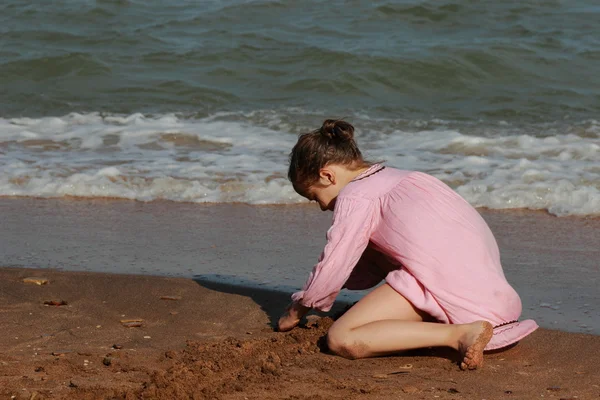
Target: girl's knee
<point x="341" y="342"/>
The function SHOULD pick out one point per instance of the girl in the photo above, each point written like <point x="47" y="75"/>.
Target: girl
<point x="437" y="255"/>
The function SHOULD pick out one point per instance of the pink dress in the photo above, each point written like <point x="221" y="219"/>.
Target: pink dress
<point x="427" y="242"/>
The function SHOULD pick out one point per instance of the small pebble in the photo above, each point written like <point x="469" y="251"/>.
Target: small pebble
<point x="170" y="297"/>
<point x="123" y="321"/>
<point x="61" y="352"/>
<point x="117" y="346"/>
<point x="36" y="281"/>
<point x="147" y="337"/>
<point x="132" y="324"/>
<point x="55" y="303"/>
<point x="107" y="361"/>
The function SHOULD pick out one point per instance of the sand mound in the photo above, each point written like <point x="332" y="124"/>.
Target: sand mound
<point x="210" y="370"/>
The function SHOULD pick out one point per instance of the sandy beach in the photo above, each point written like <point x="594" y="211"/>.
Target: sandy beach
<point x="552" y="262"/>
<point x="144" y="155"/>
<point x="205" y="340"/>
<point x="206" y="283"/>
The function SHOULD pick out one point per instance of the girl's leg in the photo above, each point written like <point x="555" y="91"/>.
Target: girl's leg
<point x="384" y="322"/>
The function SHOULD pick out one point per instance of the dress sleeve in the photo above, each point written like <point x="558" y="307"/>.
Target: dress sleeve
<point x="347" y="239"/>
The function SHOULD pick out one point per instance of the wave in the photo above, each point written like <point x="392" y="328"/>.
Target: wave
<point x="46" y="68"/>
<point x="242" y="157"/>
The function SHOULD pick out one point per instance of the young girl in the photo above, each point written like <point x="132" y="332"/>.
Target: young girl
<point x="444" y="284"/>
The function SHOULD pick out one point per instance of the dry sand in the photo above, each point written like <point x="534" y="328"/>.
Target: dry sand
<point x="217" y="342"/>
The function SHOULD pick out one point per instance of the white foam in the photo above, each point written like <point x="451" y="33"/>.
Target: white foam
<point x="242" y="157"/>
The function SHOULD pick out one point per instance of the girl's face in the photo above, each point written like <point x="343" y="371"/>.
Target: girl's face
<point x="325" y="195"/>
<point x="332" y="179"/>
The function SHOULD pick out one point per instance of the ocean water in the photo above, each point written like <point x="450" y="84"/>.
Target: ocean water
<point x="202" y="101"/>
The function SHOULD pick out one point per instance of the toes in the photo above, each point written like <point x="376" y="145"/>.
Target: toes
<point x="473" y="353"/>
<point x="469" y="362"/>
<point x="469" y="365"/>
<point x="477" y="365"/>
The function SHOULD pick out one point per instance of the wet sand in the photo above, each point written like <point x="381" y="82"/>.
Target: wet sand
<point x="215" y="341"/>
<point x="552" y="262"/>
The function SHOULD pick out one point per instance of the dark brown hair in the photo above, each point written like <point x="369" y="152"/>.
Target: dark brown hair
<point x="332" y="143"/>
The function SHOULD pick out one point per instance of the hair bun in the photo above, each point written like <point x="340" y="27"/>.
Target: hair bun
<point x="338" y="130"/>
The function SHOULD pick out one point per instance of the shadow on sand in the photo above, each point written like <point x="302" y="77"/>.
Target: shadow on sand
<point x="273" y="302"/>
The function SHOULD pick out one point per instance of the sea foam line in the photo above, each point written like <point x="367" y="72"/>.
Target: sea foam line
<point x="242" y="157"/>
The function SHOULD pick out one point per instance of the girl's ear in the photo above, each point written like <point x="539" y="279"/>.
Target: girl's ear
<point x="327" y="177"/>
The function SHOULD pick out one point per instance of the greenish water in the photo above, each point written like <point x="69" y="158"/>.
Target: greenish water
<point x="454" y="60"/>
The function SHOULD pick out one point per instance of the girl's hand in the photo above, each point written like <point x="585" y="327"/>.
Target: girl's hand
<point x="290" y="319"/>
<point x="287" y="322"/>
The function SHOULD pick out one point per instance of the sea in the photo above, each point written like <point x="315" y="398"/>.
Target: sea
<point x="184" y="102"/>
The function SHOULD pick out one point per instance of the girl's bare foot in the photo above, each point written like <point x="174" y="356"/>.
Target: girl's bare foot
<point x="472" y="343"/>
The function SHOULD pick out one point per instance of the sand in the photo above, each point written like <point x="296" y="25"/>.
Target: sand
<point x="552" y="262"/>
<point x="215" y="341"/>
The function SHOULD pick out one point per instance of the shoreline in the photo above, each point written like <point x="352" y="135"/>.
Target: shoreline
<point x="549" y="260"/>
<point x="108" y="199"/>
<point x="217" y="342"/>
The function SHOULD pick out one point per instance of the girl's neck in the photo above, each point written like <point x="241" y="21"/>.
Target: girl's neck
<point x="355" y="174"/>
<point x="346" y="175"/>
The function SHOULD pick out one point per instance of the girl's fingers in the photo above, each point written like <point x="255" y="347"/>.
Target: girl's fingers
<point x="287" y="323"/>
